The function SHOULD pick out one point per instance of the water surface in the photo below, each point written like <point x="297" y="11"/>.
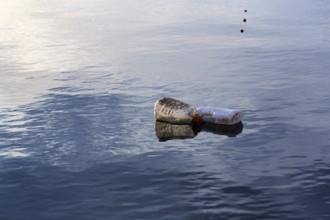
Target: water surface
<point x="78" y="84"/>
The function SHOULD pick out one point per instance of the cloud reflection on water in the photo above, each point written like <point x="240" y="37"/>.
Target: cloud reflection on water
<point x="42" y="40"/>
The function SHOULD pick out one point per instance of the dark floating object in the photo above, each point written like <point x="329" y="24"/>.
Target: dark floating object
<point x="245" y="10"/>
<point x="244" y="20"/>
<point x="242" y="30"/>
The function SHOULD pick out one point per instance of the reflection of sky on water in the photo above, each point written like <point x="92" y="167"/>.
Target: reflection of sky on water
<point x="70" y="130"/>
<point x="78" y="84"/>
<point x="148" y="50"/>
<point x="117" y="47"/>
<point x="42" y="39"/>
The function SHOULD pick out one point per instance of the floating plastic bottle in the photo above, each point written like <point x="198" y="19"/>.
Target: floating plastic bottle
<point x="178" y="112"/>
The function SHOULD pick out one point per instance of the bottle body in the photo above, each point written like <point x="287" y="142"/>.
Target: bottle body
<point x="178" y="112"/>
<point x="221" y="116"/>
<point x="174" y="111"/>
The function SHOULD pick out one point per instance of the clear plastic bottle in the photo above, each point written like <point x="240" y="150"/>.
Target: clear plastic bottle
<point x="178" y="112"/>
<point x="221" y="116"/>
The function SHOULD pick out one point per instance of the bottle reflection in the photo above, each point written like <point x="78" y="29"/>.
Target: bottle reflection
<point x="166" y="131"/>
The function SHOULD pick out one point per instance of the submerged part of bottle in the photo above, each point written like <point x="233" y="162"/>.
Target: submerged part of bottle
<point x="167" y="131"/>
<point x="222" y="116"/>
<point x="228" y="130"/>
<point x="175" y="111"/>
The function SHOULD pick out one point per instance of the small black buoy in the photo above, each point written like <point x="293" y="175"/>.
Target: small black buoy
<point x="245" y="10"/>
<point x="242" y="30"/>
<point x="244" y="20"/>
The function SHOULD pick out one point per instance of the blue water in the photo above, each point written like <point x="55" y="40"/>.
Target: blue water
<point x="79" y="80"/>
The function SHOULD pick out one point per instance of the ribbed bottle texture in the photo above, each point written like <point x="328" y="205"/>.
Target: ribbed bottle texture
<point x="174" y="111"/>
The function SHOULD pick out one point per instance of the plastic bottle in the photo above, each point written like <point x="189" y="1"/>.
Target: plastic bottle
<point x="178" y="112"/>
<point x="222" y="116"/>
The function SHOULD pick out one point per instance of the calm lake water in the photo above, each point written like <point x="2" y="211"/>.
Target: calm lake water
<point x="79" y="80"/>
